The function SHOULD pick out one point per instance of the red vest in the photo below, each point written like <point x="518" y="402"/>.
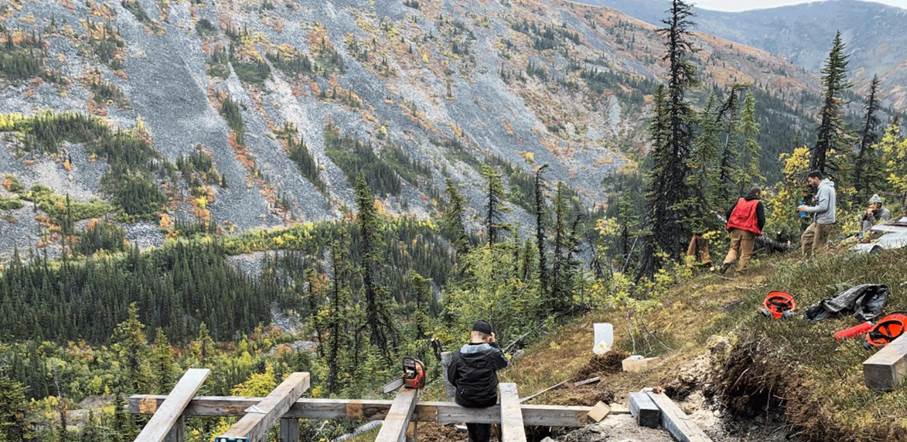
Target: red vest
<point x="744" y="217"/>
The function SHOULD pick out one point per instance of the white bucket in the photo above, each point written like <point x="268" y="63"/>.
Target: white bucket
<point x="603" y="337"/>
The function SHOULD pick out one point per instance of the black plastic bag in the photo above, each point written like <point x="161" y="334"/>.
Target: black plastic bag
<point x="865" y="301"/>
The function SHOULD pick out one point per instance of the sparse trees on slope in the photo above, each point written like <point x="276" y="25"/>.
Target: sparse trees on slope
<point x="865" y="172"/>
<point x="703" y="178"/>
<point x="831" y="133"/>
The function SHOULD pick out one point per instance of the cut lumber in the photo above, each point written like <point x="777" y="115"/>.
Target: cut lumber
<point x="645" y="411"/>
<point x="371" y="409"/>
<point x="259" y="418"/>
<point x="398" y="417"/>
<point x="537" y="394"/>
<point x="673" y="419"/>
<point x="636" y="365"/>
<point x="587" y="381"/>
<point x="168" y="414"/>
<point x="289" y="430"/>
<point x="600" y="411"/>
<point x="887" y="369"/>
<point x="512" y="429"/>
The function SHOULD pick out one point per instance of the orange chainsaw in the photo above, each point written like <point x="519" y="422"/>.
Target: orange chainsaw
<point x="414" y="375"/>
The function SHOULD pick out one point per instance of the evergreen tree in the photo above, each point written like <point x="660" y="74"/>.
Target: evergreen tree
<point x="672" y="141"/>
<point x="452" y="219"/>
<point x="750" y="170"/>
<point x="14" y="424"/>
<point x="540" y="228"/>
<point x="703" y="178"/>
<point x="383" y="333"/>
<point x="831" y="134"/>
<point x="130" y="343"/>
<point x="865" y="169"/>
<point x="162" y="362"/>
<point x="559" y="299"/>
<point x="494" y="206"/>
<point x="728" y="114"/>
<point x="336" y="315"/>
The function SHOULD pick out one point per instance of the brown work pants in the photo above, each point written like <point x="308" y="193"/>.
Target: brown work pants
<point x="741" y="249"/>
<point x="814" y="239"/>
<point x="699" y="249"/>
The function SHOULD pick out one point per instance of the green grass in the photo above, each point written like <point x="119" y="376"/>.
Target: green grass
<point x="822" y="380"/>
<point x="12" y="203"/>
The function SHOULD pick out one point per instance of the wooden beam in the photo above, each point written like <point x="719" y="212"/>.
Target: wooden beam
<point x="644" y="410"/>
<point x="512" y="429"/>
<point x="307" y="408"/>
<point x="681" y="427"/>
<point x="887" y="369"/>
<point x="289" y="430"/>
<point x="539" y="393"/>
<point x="167" y="415"/>
<point x="398" y="417"/>
<point x="254" y="425"/>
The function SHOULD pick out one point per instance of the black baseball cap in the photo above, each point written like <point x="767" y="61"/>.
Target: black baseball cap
<point x="483" y="327"/>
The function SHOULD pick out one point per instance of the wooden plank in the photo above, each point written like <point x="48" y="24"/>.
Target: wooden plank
<point x="599" y="412"/>
<point x="681" y="426"/>
<point x="254" y="425"/>
<point x="587" y="381"/>
<point x="887" y="369"/>
<point x="512" y="429"/>
<point x="289" y="430"/>
<point x="398" y="417"/>
<point x="645" y="411"/>
<point x="533" y="396"/>
<point x="368" y="409"/>
<point x="167" y="415"/>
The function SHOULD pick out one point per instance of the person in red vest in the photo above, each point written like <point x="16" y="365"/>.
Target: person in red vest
<point x="745" y="221"/>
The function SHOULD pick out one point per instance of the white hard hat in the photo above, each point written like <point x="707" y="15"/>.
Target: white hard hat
<point x="876" y="199"/>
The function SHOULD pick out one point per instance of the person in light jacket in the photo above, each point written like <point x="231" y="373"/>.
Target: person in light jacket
<point x="815" y="238"/>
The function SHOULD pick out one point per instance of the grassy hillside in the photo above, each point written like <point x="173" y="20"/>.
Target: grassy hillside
<point x="790" y="370"/>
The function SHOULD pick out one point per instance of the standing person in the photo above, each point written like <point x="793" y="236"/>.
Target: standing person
<point x="745" y="220"/>
<point x="815" y="238"/>
<point x="699" y="250"/>
<point x="473" y="371"/>
<point x="875" y="214"/>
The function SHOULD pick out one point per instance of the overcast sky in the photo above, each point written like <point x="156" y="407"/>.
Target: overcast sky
<point x="743" y="5"/>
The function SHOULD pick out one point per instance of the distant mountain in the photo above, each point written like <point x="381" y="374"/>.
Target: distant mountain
<point x="259" y="113"/>
<point x="874" y="34"/>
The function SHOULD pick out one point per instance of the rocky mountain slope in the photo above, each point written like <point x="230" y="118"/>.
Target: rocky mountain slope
<point x="253" y="113"/>
<point x="802" y="34"/>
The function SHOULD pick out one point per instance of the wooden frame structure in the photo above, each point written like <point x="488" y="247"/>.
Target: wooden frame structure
<point x="259" y="415"/>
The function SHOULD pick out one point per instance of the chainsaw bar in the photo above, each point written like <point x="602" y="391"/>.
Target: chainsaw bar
<point x="392" y="385"/>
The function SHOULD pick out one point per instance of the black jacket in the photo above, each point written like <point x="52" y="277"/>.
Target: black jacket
<point x="473" y="371"/>
<point x="760" y="211"/>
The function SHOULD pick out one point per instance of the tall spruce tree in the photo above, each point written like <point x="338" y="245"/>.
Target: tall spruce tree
<point x="865" y="173"/>
<point x="336" y="315"/>
<point x="381" y="326"/>
<point x="672" y="141"/>
<point x="452" y="222"/>
<point x="751" y="152"/>
<point x="162" y="362"/>
<point x="729" y="121"/>
<point x="559" y="298"/>
<point x="703" y="177"/>
<point x="832" y="133"/>
<point x="540" y="227"/>
<point x="494" y="204"/>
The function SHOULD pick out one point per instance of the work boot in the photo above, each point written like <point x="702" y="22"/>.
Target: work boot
<point x="724" y="268"/>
